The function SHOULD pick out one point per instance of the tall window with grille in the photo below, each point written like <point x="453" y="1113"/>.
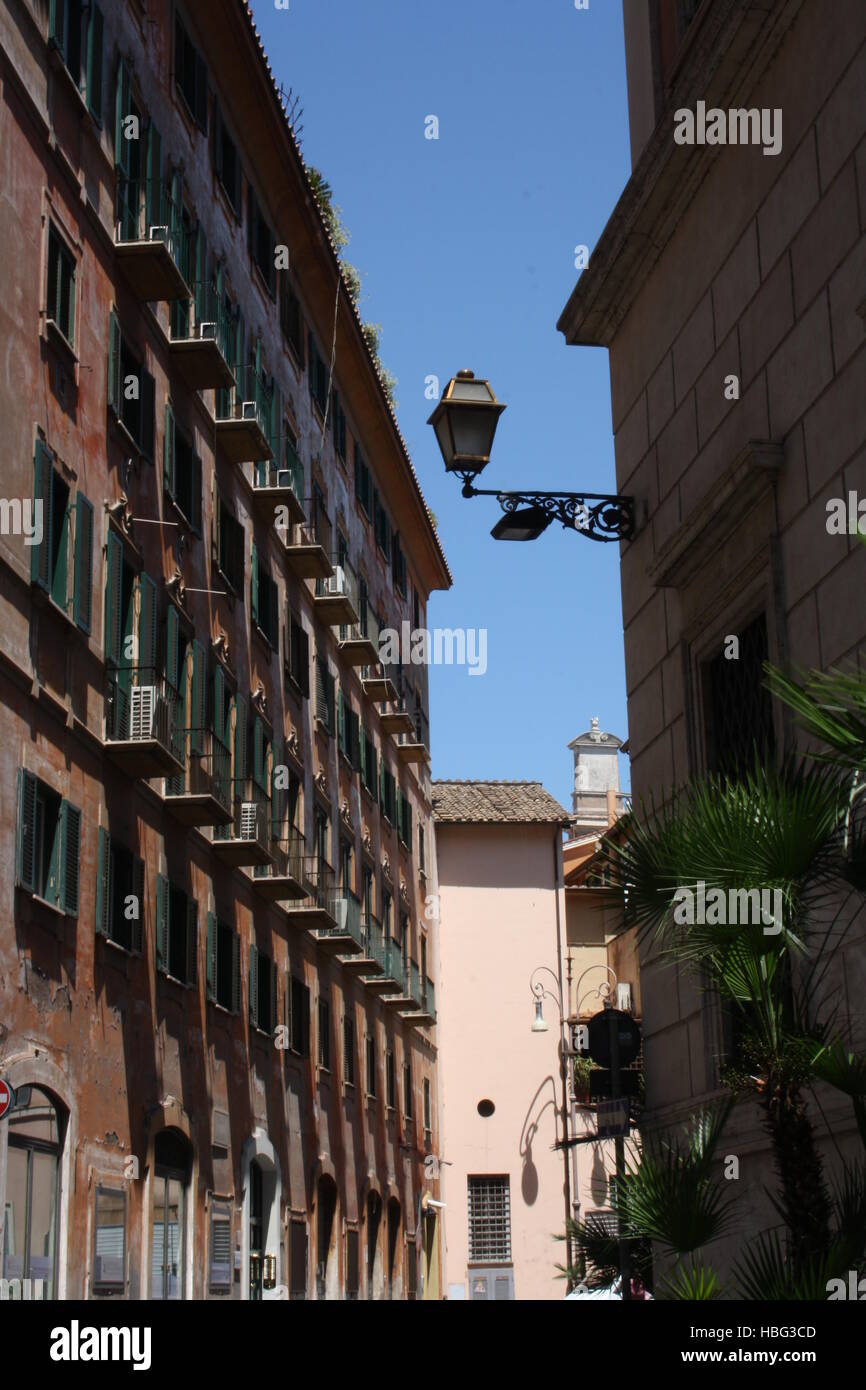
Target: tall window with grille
<point x="489" y="1220"/>
<point x="738" y="716"/>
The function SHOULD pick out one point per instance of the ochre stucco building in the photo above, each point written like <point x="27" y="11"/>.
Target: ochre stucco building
<point x="216" y="973"/>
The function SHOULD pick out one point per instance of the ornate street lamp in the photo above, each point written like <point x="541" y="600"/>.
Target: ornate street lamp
<point x="465" y="422"/>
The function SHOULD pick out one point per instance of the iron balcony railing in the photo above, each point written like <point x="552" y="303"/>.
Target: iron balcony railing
<point x="420" y="989"/>
<point x="139" y="705"/>
<point x="146" y="211"/>
<point x="251" y="388"/>
<point x="268" y="473"/>
<point x="392" y="961"/>
<point x="374" y="942"/>
<point x="207" y="767"/>
<point x="421" y="732"/>
<point x="289" y="858"/>
<point x="319" y="881"/>
<point x="249" y="817"/>
<point x="343" y="581"/>
<point x="190" y="318"/>
<point x="347" y="915"/>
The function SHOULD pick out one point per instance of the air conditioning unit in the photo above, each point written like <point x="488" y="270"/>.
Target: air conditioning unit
<point x="250" y="820"/>
<point x="337" y="582"/>
<point x="249" y="410"/>
<point x="143" y="712"/>
<point x="158" y="234"/>
<point x="206" y="332"/>
<point x="284" y="478"/>
<point x="623" y="998"/>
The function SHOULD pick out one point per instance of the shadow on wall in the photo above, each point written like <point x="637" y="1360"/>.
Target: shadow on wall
<point x="531" y="1125"/>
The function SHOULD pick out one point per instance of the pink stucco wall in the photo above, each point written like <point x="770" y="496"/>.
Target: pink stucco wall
<point x="501" y="917"/>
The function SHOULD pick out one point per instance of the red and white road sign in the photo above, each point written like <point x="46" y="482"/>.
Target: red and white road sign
<point x="7" y="1098"/>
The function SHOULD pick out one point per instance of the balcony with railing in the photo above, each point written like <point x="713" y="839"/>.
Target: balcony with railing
<point x="397" y="718"/>
<point x="140" y="711"/>
<point x="359" y="643"/>
<point x="201" y="793"/>
<point x="345" y="937"/>
<point x="199" y="339"/>
<point x="308" y="547"/>
<point x="371" y="958"/>
<point x="414" y="747"/>
<point x="150" y="240"/>
<point x="336" y="598"/>
<point x="382" y="681"/>
<point x="318" y="910"/>
<point x="392" y="971"/>
<point x="283" y="880"/>
<point x="242" y="417"/>
<point x="424" y="999"/>
<point x="279" y="482"/>
<point x="245" y="840"/>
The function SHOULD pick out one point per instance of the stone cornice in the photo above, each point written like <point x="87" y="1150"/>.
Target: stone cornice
<point x="736" y="43"/>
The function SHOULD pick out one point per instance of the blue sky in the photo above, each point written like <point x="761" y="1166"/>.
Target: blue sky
<point x="466" y="249"/>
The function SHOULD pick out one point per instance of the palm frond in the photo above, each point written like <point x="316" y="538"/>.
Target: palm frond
<point x="831" y="705"/>
<point x="693" y="1283"/>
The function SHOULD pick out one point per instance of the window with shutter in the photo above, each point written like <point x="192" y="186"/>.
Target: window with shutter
<point x="70" y="850"/>
<point x="95" y="61"/>
<point x="60" y="288"/>
<point x="83" y="593"/>
<point x="227" y="161"/>
<point x="190" y="74"/>
<point x="324" y="1034"/>
<point x="223" y="964"/>
<point x="119" y="893"/>
<point x="253" y="986"/>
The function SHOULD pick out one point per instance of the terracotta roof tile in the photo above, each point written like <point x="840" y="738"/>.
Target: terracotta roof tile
<point x="520" y="803"/>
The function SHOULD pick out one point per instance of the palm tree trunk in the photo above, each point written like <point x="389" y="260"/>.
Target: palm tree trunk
<point x="804" y="1201"/>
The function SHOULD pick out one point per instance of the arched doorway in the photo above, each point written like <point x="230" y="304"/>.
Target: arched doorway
<point x="394" y="1279"/>
<point x="172" y="1165"/>
<point x="32" y="1199"/>
<point x="327" y="1276"/>
<point x="374" y="1245"/>
<point x="261" y="1250"/>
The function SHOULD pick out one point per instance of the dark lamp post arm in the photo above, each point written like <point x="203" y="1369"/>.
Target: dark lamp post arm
<point x="599" y="515"/>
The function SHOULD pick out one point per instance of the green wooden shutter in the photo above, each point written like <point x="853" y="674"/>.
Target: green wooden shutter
<point x="240" y="740"/>
<point x="199" y="696"/>
<point x="95" y="61"/>
<point x="191" y="942"/>
<point x="147" y="416"/>
<point x="254" y="985"/>
<point x="341" y="722"/>
<point x="172" y="647"/>
<point x="40" y="555"/>
<point x="113" y="592"/>
<point x="154" y="176"/>
<point x="219" y="702"/>
<point x="163" y="921"/>
<point x="382" y="785"/>
<point x="168" y="453"/>
<point x="176" y="227"/>
<point x="236" y="973"/>
<point x="103" y="882"/>
<point x="201" y="281"/>
<point x="211" y="963"/>
<point x="254" y="586"/>
<point x="302" y="676"/>
<point x="114" y="393"/>
<point x="83" y="603"/>
<point x="276" y="425"/>
<point x="362" y="753"/>
<point x="136" y="926"/>
<point x="240" y="362"/>
<point x="58" y="26"/>
<point x="70" y="857"/>
<point x="147" y="625"/>
<point x="121" y="110"/>
<point x="195" y="519"/>
<point x="59" y="587"/>
<point x="26" y="855"/>
<point x="278" y="794"/>
<point x="272" y="1020"/>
